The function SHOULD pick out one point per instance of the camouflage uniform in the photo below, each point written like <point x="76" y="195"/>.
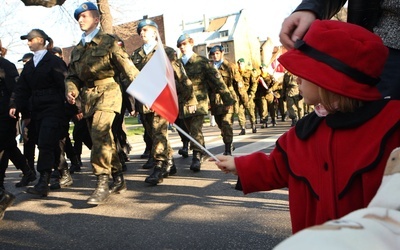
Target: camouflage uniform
<point x="246" y="96"/>
<point x="292" y="96"/>
<point x="91" y="74"/>
<point x="260" y="99"/>
<point x="272" y="96"/>
<point x="156" y="125"/>
<point x="205" y="79"/>
<point x="224" y="117"/>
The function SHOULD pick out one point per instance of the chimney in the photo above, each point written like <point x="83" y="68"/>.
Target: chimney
<point x="205" y="22"/>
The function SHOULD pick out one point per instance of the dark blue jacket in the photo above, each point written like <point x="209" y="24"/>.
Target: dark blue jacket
<point x="41" y="89"/>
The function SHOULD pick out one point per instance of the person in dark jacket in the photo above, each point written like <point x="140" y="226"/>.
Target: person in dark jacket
<point x="41" y="91"/>
<point x="380" y="16"/>
<point x="8" y="128"/>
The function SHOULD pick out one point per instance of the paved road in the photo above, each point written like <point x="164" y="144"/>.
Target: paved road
<point x="187" y="211"/>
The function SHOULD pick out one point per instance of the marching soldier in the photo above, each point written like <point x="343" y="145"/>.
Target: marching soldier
<point x="293" y="98"/>
<point x="265" y="80"/>
<point x="223" y="114"/>
<point x="161" y="154"/>
<point x="246" y="93"/>
<point x="206" y="79"/>
<point x="95" y="61"/>
<point x="272" y="94"/>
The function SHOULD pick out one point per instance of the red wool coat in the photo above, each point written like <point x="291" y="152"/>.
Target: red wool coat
<point x="332" y="166"/>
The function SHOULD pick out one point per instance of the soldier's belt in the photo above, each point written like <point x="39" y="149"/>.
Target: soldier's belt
<point x="101" y="82"/>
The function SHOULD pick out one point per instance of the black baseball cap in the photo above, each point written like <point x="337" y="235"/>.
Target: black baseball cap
<point x="35" y="33"/>
<point x="26" y="57"/>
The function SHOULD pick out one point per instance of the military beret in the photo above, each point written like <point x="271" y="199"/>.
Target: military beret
<point x="146" y="22"/>
<point x="216" y="48"/>
<point x="263" y="65"/>
<point x="35" y="33"/>
<point x="181" y="39"/>
<point x="241" y="60"/>
<point x="84" y="7"/>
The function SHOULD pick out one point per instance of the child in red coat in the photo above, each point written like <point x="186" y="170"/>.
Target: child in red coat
<point x="333" y="160"/>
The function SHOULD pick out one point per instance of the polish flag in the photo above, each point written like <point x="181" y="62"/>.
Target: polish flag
<point x="155" y="85"/>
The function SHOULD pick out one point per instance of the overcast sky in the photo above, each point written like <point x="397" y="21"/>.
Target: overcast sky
<point x="58" y="22"/>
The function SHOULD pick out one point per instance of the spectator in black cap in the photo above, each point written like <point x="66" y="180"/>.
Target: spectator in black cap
<point x="41" y="91"/>
<point x="26" y="57"/>
<point x="58" y="52"/>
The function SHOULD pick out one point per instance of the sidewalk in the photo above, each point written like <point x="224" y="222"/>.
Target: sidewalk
<point x="187" y="211"/>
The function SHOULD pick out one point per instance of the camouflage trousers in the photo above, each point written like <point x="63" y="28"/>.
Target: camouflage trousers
<point x="157" y="127"/>
<point x="260" y="105"/>
<point x="295" y="107"/>
<point x="249" y="109"/>
<point x="103" y="157"/>
<point x="225" y="122"/>
<point x="195" y="127"/>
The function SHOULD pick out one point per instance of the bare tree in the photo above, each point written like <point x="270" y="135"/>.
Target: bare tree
<point x="44" y="3"/>
<point x="106" y="20"/>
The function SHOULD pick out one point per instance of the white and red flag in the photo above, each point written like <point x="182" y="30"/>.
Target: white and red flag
<point x="155" y="85"/>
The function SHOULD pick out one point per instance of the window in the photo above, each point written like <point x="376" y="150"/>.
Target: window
<point x="223" y="33"/>
<point x="226" y="47"/>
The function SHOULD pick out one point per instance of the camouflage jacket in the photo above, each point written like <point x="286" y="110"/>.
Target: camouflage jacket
<point x="262" y="91"/>
<point x="231" y="77"/>
<point x="249" y="88"/>
<point x="205" y="79"/>
<point x="92" y="71"/>
<point x="274" y="87"/>
<point x="184" y="87"/>
<point x="289" y="85"/>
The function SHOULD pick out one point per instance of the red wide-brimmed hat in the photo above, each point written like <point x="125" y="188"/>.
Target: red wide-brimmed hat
<point x="341" y="57"/>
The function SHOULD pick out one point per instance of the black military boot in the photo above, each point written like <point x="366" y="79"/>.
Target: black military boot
<point x="28" y="176"/>
<point x="149" y="164"/>
<point x="42" y="187"/>
<point x="273" y="122"/>
<point x="6" y="200"/>
<point x="2" y="175"/>
<point x="184" y="151"/>
<point x="196" y="161"/>
<point x="171" y="168"/>
<point x="242" y="132"/>
<point x="118" y="185"/>
<point x="254" y="129"/>
<point x="145" y="154"/>
<point x="102" y="192"/>
<point x="294" y="121"/>
<point x="157" y="175"/>
<point x="75" y="164"/>
<point x="229" y="148"/>
<point x="66" y="179"/>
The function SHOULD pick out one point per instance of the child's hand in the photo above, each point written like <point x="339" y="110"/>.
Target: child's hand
<point x="226" y="163"/>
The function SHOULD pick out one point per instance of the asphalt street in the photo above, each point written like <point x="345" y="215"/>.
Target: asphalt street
<point x="187" y="211"/>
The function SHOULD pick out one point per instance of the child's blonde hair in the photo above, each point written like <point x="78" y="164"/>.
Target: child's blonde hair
<point x="333" y="102"/>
